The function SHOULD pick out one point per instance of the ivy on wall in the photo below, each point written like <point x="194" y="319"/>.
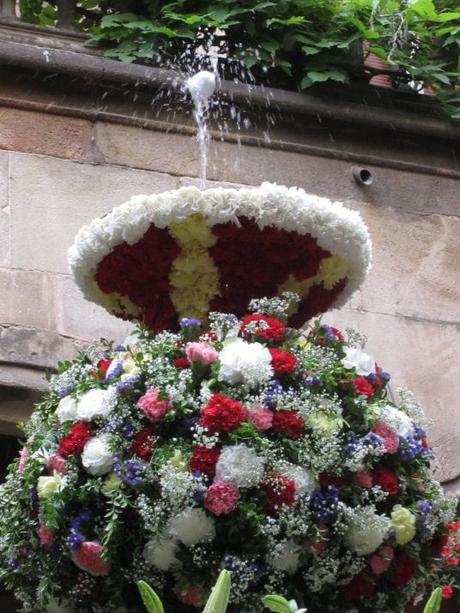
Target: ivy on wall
<point x="292" y="44"/>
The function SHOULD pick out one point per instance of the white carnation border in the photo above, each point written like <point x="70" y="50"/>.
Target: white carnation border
<point x="336" y="228"/>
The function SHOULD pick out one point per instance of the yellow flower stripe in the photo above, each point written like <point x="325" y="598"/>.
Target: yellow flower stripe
<point x="194" y="276"/>
<point x="331" y="270"/>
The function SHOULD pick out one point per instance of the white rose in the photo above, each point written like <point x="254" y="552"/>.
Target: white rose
<point x="161" y="553"/>
<point x="67" y="409"/>
<point x="247" y="363"/>
<point x="355" y="358"/>
<point x="95" y="403"/>
<point x="400" y="422"/>
<point x="366" y="530"/>
<point x="97" y="457"/>
<point x="240" y="465"/>
<point x="192" y="526"/>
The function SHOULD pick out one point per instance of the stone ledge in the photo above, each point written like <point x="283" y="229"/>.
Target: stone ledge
<point x="76" y="60"/>
<point x="38" y="349"/>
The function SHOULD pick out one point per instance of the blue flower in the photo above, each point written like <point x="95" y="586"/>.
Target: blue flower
<point x="114" y="372"/>
<point x="65" y="391"/>
<point x="127" y="384"/>
<point x="131" y="472"/>
<point x="325" y="504"/>
<point x="189" y="322"/>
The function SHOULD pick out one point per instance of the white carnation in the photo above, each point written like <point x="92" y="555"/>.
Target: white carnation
<point x="192" y="526"/>
<point x="366" y="530"/>
<point x="355" y="358"/>
<point x="97" y="457"/>
<point x="247" y="363"/>
<point x="400" y="422"/>
<point x="302" y="478"/>
<point x="286" y="557"/>
<point x="67" y="409"/>
<point x="95" y="403"/>
<point x="240" y="465"/>
<point x="161" y="552"/>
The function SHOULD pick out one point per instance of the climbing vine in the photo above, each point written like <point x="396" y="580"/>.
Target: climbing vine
<point x="293" y="44"/>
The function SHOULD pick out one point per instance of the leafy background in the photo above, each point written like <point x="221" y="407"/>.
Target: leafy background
<point x="293" y="44"/>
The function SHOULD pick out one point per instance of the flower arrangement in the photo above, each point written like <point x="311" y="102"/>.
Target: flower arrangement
<point x="242" y="445"/>
<point x="184" y="253"/>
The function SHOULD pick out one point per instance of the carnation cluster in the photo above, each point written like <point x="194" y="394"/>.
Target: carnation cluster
<point x="243" y="444"/>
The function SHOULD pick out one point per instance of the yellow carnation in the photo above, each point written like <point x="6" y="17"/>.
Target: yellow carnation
<point x="48" y="486"/>
<point x="403" y="523"/>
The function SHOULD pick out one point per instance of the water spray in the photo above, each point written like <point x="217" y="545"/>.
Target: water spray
<point x="201" y="87"/>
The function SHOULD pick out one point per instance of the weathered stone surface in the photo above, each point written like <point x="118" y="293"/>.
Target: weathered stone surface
<point x="27" y="299"/>
<point x="4" y="211"/>
<point x="12" y="375"/>
<point x="54" y="135"/>
<point x="425" y="358"/>
<point x="79" y="318"/>
<point x="51" y="199"/>
<point x="178" y="154"/>
<point x="415" y="269"/>
<point x="37" y="348"/>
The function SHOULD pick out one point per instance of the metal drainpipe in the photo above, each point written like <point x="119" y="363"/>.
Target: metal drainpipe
<point x="66" y="15"/>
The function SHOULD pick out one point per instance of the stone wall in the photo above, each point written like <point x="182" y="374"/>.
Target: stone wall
<point x="61" y="165"/>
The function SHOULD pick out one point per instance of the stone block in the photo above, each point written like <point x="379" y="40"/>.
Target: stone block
<point x="36" y="348"/>
<point x="27" y="299"/>
<point x="43" y="133"/>
<point x="51" y="199"/>
<point x="82" y="319"/>
<point x="177" y="154"/>
<point x="231" y="162"/>
<point x="4" y="211"/>
<point x="423" y="357"/>
<point x="415" y="269"/>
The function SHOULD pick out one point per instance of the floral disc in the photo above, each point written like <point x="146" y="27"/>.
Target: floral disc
<point x="187" y="252"/>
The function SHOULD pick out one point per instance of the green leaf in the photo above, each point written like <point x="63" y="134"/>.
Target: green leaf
<point x="220" y="595"/>
<point x="149" y="598"/>
<point x="291" y="21"/>
<point x="424" y="8"/>
<point x="434" y="603"/>
<point x="277" y="604"/>
<point x="314" y="76"/>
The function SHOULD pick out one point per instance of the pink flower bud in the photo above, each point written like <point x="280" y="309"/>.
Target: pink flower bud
<point x="203" y="353"/>
<point x="88" y="557"/>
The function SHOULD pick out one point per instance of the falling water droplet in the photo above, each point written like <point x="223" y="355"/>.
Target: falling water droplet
<point x="201" y="87"/>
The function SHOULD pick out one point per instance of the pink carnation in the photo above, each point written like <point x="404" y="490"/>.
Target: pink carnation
<point x="192" y="595"/>
<point x="153" y="408"/>
<point x="221" y="498"/>
<point x="203" y="353"/>
<point x="261" y="417"/>
<point x="390" y="438"/>
<point x="363" y="478"/>
<point x="56" y="464"/>
<point x="379" y="562"/>
<point x="46" y="537"/>
<point x="88" y="557"/>
<point x="23" y="459"/>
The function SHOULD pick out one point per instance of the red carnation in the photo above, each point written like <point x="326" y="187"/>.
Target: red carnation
<point x="446" y="592"/>
<point x="280" y="491"/>
<point x="289" y="423"/>
<point x="204" y="460"/>
<point x="102" y="368"/>
<point x="338" y="335"/>
<point x="386" y="479"/>
<point x="74" y="442"/>
<point x="404" y="568"/>
<point x="181" y="362"/>
<point x="363" y="387"/>
<point x="283" y="362"/>
<point x="144" y="443"/>
<point x="261" y="326"/>
<point x="222" y="414"/>
<point x="359" y="587"/>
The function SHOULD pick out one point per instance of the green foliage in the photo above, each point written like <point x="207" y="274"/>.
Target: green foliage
<point x="150" y="598"/>
<point x="434" y="603"/>
<point x="293" y="44"/>
<point x="277" y="604"/>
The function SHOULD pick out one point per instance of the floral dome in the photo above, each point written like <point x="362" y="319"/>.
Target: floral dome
<point x="187" y="252"/>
